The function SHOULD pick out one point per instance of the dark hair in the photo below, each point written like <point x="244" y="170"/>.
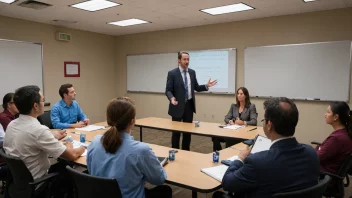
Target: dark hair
<point x="64" y="89"/>
<point x="119" y="113"/>
<point x="25" y="97"/>
<point x="343" y="110"/>
<point x="246" y="93"/>
<point x="283" y="114"/>
<point x="7" y="98"/>
<point x="179" y="55"/>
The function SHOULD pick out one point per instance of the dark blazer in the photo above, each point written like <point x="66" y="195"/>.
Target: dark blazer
<point x="286" y="166"/>
<point x="249" y="114"/>
<point x="175" y="88"/>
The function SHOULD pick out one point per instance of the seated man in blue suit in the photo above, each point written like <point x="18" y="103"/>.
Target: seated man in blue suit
<point x="287" y="166"/>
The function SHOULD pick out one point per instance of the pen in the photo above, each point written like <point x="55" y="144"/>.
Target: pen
<point x="252" y="129"/>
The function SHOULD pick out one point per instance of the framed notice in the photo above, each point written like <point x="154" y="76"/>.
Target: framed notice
<point x="72" y="69"/>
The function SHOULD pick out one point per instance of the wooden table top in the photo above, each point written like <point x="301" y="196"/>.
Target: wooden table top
<point x="185" y="170"/>
<point x="204" y="129"/>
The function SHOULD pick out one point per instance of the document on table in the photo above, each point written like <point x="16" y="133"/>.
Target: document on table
<point x="233" y="158"/>
<point x="233" y="127"/>
<point x="90" y="128"/>
<point x="261" y="144"/>
<point x="77" y="144"/>
<point x="216" y="172"/>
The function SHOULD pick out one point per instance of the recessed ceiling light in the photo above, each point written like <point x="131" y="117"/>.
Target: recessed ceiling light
<point x="128" y="22"/>
<point x="95" y="5"/>
<point x="227" y="9"/>
<point x="306" y="1"/>
<point x="7" y="1"/>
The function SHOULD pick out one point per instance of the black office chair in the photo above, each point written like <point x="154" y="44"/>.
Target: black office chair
<point x="337" y="182"/>
<point x="20" y="182"/>
<point x="88" y="186"/>
<point x="45" y="119"/>
<point x="312" y="192"/>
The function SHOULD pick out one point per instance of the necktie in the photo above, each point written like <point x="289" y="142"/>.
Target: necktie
<point x="186" y="84"/>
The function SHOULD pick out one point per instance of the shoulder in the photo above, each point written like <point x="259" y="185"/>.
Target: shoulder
<point x="56" y="105"/>
<point x="252" y="106"/>
<point x="140" y="148"/>
<point x="95" y="142"/>
<point x="173" y="70"/>
<point x="233" y="105"/>
<point x="2" y="115"/>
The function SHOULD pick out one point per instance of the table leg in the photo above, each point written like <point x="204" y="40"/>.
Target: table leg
<point x="140" y="134"/>
<point x="194" y="194"/>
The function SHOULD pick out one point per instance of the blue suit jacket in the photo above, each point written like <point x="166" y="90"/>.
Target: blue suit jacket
<point x="175" y="87"/>
<point x="286" y="166"/>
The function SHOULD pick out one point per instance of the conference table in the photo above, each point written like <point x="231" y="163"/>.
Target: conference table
<point x="185" y="170"/>
<point x="205" y="128"/>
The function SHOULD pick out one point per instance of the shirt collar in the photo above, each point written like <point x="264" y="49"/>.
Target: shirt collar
<point x="181" y="69"/>
<point x="63" y="103"/>
<point x="127" y="136"/>
<point x="284" y="138"/>
<point x="27" y="117"/>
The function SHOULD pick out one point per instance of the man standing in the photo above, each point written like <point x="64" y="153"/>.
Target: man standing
<point x="180" y="85"/>
<point x="67" y="113"/>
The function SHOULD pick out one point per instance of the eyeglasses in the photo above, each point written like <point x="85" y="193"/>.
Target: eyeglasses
<point x="262" y="120"/>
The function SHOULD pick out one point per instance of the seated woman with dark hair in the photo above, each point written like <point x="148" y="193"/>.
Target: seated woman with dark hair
<point x="338" y="146"/>
<point x="117" y="155"/>
<point x="10" y="110"/>
<point x="241" y="113"/>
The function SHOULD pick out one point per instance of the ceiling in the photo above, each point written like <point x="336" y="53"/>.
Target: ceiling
<point x="164" y="14"/>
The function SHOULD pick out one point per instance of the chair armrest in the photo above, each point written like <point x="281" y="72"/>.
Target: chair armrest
<point x="332" y="175"/>
<point x="44" y="178"/>
<point x="316" y="143"/>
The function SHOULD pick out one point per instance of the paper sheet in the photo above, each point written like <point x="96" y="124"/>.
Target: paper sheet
<point x="233" y="127"/>
<point x="216" y="172"/>
<point x="261" y="144"/>
<point x="90" y="128"/>
<point x="233" y="158"/>
<point x="77" y="144"/>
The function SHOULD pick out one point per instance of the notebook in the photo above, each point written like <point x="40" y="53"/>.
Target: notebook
<point x="77" y="144"/>
<point x="261" y="144"/>
<point x="163" y="160"/>
<point x="91" y="128"/>
<point x="216" y="172"/>
<point x="233" y="127"/>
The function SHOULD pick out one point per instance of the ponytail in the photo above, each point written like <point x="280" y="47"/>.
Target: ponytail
<point x="111" y="140"/>
<point x="119" y="115"/>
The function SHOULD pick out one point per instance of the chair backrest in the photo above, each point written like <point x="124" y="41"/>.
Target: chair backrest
<point x="88" y="186"/>
<point x="20" y="176"/>
<point x="45" y="119"/>
<point x="312" y="192"/>
<point x="345" y="167"/>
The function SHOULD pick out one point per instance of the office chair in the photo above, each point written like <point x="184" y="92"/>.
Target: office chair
<point x="337" y="190"/>
<point x="45" y="119"/>
<point x="20" y="182"/>
<point x="312" y="192"/>
<point x="88" y="186"/>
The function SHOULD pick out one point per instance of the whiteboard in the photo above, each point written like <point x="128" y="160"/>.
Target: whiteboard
<point x="310" y="71"/>
<point x="20" y="65"/>
<point x="148" y="73"/>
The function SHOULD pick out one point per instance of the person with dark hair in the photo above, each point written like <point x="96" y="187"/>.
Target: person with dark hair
<point x="338" y="146"/>
<point x="243" y="112"/>
<point x="287" y="166"/>
<point x="117" y="155"/>
<point x="180" y="86"/>
<point x="67" y="113"/>
<point x="32" y="142"/>
<point x="10" y="110"/>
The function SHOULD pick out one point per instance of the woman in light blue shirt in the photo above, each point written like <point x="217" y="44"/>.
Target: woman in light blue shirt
<point x="117" y="155"/>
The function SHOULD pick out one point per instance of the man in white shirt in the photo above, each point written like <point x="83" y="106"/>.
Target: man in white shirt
<point x="32" y="142"/>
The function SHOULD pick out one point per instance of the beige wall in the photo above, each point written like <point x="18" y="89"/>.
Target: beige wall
<point x="95" y="52"/>
<point x="330" y="25"/>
